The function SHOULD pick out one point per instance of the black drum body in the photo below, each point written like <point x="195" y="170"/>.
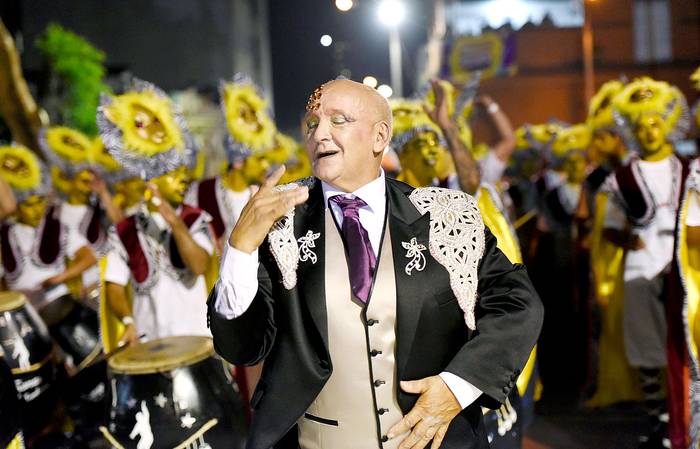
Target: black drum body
<point x="10" y="407"/>
<point x="504" y="427"/>
<point x="28" y="352"/>
<point x="191" y="406"/>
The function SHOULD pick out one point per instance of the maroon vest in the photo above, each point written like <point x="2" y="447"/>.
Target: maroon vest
<point x="206" y="200"/>
<point x="49" y="246"/>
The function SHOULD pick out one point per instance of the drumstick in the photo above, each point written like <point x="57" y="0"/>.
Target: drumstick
<point x="525" y="218"/>
<point x="102" y="357"/>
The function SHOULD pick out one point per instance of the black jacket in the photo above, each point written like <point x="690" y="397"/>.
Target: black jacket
<point x="288" y="329"/>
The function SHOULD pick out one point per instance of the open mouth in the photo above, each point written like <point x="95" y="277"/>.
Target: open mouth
<point x="326" y="153"/>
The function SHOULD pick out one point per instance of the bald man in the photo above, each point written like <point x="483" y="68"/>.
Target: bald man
<point x="385" y="315"/>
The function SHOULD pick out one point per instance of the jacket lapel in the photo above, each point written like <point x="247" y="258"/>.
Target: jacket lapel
<point x="311" y="287"/>
<point x="405" y="223"/>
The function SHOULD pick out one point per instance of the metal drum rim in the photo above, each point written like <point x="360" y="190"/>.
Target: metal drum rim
<point x="10" y="301"/>
<point x="122" y="364"/>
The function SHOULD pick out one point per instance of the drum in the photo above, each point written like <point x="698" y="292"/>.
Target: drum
<point x="504" y="426"/>
<point x="10" y="408"/>
<point x="28" y="351"/>
<point x="174" y="393"/>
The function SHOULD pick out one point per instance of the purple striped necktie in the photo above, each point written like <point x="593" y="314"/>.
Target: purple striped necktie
<point x="362" y="258"/>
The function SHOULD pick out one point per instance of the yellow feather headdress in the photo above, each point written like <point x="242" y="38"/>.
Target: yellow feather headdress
<point x="600" y="109"/>
<point x="644" y="95"/>
<point x="144" y="130"/>
<point x="23" y="171"/>
<point x="251" y="128"/>
<point x="65" y="148"/>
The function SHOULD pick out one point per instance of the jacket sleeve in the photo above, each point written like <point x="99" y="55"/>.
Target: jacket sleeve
<point x="247" y="339"/>
<point x="509" y="316"/>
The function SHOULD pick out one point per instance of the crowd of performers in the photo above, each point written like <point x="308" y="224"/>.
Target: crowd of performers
<point x="115" y="242"/>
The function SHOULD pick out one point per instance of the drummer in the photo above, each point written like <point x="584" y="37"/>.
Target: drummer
<point x="34" y="242"/>
<point x="160" y="254"/>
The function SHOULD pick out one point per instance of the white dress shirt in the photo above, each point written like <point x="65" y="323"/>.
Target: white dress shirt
<point x="238" y="276"/>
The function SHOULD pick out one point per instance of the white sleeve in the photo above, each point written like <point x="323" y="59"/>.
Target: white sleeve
<point x="74" y="242"/>
<point x="116" y="269"/>
<point x="492" y="168"/>
<point x="238" y="282"/>
<point x="693" y="217"/>
<point x="615" y="217"/>
<point x="465" y="392"/>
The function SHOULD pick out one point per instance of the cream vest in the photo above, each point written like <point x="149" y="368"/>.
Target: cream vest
<point x="358" y="404"/>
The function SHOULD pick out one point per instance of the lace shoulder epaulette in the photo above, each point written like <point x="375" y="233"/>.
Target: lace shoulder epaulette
<point x="456" y="240"/>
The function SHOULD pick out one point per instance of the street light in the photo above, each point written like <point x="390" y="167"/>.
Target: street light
<point x="344" y="5"/>
<point x="385" y="91"/>
<point x="391" y="13"/>
<point x="326" y="40"/>
<point x="370" y="81"/>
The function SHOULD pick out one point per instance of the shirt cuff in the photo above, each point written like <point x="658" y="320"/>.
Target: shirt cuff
<point x="238" y="282"/>
<point x="465" y="392"/>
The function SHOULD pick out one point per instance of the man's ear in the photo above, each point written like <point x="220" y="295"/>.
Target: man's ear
<point x="383" y="137"/>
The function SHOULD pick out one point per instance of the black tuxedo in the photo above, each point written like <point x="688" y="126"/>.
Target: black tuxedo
<point x="288" y="328"/>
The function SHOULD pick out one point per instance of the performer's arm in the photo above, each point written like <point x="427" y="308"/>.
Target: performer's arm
<point x="466" y="166"/>
<point x="8" y="204"/>
<point x="84" y="258"/>
<point x="509" y="318"/>
<point x="116" y="276"/>
<point x="506" y="142"/>
<point x="114" y="213"/>
<point x="240" y="307"/>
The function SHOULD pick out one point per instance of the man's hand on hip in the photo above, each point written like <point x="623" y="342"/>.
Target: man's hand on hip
<point x="265" y="207"/>
<point x="430" y="417"/>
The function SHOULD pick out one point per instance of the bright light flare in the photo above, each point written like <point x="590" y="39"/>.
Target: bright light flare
<point x="370" y="81"/>
<point x="344" y="5"/>
<point x="385" y="91"/>
<point x="326" y="40"/>
<point x="391" y="12"/>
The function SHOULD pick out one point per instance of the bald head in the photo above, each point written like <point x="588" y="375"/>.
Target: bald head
<point x="347" y="128"/>
<point x="370" y="101"/>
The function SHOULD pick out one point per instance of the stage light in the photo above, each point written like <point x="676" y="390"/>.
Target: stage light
<point x="344" y="5"/>
<point x="370" y="81"/>
<point x="385" y="91"/>
<point x="391" y="12"/>
<point x="326" y="40"/>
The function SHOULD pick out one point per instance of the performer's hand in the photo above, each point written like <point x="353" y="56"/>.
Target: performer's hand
<point x="164" y="207"/>
<point x="265" y="207"/>
<point x="53" y="281"/>
<point x="430" y="417"/>
<point x="130" y="336"/>
<point x="440" y="113"/>
<point x="98" y="185"/>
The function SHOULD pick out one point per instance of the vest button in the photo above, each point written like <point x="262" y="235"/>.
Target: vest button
<point x="372" y="322"/>
<point x="378" y="383"/>
<point x="375" y="353"/>
<point x="385" y="439"/>
<point x="381" y="411"/>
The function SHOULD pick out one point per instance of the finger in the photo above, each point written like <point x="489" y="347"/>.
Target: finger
<point x="420" y="436"/>
<point x="274" y="178"/>
<point x="254" y="189"/>
<point x="407" y="423"/>
<point x="414" y="386"/>
<point x="439" y="436"/>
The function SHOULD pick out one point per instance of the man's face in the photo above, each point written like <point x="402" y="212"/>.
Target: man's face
<point x="129" y="192"/>
<point x="424" y="154"/>
<point x="31" y="211"/>
<point x="173" y="185"/>
<point x="342" y="137"/>
<point x="651" y="132"/>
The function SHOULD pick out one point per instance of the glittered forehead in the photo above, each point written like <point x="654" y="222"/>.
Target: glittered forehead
<point x="315" y="99"/>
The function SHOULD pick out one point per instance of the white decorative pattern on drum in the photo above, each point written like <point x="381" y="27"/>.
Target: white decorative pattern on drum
<point x="456" y="240"/>
<point x="173" y="393"/>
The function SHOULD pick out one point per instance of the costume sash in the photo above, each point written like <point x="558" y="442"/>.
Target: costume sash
<point x="207" y="200"/>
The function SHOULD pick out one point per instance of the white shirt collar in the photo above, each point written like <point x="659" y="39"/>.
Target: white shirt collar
<point x="373" y="193"/>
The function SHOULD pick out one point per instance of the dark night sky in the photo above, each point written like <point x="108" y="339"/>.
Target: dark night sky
<point x="300" y="63"/>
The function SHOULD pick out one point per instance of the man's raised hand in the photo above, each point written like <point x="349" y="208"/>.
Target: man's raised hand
<point x="265" y="207"/>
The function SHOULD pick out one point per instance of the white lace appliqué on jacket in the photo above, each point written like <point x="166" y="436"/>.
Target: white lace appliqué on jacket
<point x="283" y="244"/>
<point x="456" y="240"/>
